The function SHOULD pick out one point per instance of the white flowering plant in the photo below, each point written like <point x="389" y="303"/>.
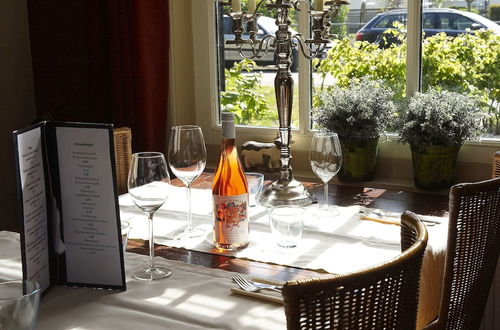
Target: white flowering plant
<point x="362" y="110"/>
<point x="442" y="118"/>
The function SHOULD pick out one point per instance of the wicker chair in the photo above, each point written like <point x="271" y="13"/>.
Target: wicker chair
<point x="123" y="154"/>
<point x="381" y="297"/>
<point x="495" y="171"/>
<point x="472" y="254"/>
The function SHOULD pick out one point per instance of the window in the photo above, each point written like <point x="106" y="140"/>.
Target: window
<point x="246" y="88"/>
<point x="194" y="77"/>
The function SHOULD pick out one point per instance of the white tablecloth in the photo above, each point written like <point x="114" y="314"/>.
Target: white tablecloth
<point x="196" y="297"/>
<point x="339" y="244"/>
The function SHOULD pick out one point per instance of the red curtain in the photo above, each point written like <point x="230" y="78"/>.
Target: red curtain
<point x="103" y="61"/>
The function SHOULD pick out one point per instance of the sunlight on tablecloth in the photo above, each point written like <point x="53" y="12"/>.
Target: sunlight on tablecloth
<point x="194" y="297"/>
<point x="336" y="244"/>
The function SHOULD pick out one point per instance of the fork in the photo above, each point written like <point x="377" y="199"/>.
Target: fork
<point x="252" y="286"/>
<point x="380" y="215"/>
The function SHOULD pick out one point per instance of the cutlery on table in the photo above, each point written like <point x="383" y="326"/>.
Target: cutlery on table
<point x="379" y="217"/>
<point x="253" y="291"/>
<point x="249" y="286"/>
<point x="380" y="220"/>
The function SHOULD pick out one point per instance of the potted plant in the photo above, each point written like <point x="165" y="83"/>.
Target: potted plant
<point x="359" y="114"/>
<point x="435" y="125"/>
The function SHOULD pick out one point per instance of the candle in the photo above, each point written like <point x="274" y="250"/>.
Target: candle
<point x="236" y="5"/>
<point x="318" y="5"/>
<point x="251" y="6"/>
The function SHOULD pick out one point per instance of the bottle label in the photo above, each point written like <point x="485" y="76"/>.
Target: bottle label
<point x="231" y="219"/>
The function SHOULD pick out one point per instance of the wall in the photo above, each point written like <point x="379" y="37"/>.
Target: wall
<point x="17" y="106"/>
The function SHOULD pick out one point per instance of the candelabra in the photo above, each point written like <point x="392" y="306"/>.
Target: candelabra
<point x="286" y="190"/>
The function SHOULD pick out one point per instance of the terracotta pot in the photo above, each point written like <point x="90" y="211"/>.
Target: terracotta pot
<point x="359" y="157"/>
<point x="435" y="166"/>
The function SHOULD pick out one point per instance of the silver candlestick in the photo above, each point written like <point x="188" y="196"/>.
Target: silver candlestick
<point x="286" y="190"/>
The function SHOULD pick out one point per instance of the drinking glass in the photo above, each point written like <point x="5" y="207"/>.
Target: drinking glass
<point x="148" y="185"/>
<point x="287" y="224"/>
<point x="19" y="301"/>
<point x="187" y="158"/>
<point x="125" y="234"/>
<point x="326" y="158"/>
<point x="255" y="182"/>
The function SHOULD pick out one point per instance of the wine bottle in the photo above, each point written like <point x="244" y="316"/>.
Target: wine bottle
<point x="230" y="193"/>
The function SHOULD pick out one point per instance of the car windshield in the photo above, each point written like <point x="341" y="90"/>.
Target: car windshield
<point x="486" y="22"/>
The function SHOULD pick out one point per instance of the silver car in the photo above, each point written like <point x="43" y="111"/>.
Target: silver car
<point x="266" y="25"/>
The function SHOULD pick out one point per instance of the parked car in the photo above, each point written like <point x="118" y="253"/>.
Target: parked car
<point x="434" y="20"/>
<point x="267" y="25"/>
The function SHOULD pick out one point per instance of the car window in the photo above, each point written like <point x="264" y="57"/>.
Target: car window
<point x="462" y="22"/>
<point x="228" y="25"/>
<point x="388" y="21"/>
<point x="447" y="22"/>
<point x="430" y="21"/>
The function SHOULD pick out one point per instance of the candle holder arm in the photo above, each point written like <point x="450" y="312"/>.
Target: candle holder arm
<point x="309" y="48"/>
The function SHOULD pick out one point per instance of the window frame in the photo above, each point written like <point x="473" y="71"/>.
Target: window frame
<point x="194" y="84"/>
<point x="204" y="37"/>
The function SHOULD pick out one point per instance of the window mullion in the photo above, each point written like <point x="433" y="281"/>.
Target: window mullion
<point x="414" y="49"/>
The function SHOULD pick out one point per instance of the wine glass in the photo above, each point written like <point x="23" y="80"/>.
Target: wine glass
<point x="187" y="158"/>
<point x="326" y="158"/>
<point x="148" y="185"/>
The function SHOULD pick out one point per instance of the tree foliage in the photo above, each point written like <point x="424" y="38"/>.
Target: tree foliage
<point x="467" y="64"/>
<point x="243" y="94"/>
<point x="494" y="12"/>
<point x="340" y="27"/>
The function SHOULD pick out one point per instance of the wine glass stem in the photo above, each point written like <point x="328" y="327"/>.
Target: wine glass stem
<point x="151" y="242"/>
<point x="189" y="224"/>
<point x="326" y="195"/>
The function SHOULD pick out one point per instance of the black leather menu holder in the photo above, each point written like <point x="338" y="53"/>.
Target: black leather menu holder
<point x="69" y="212"/>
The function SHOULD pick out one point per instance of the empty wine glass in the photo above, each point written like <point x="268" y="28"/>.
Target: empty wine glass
<point x="187" y="158"/>
<point x="148" y="185"/>
<point x="326" y="158"/>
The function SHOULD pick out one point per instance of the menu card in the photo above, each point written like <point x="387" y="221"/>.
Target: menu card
<point x="69" y="210"/>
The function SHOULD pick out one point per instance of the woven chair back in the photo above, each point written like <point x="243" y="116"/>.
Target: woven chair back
<point x="380" y="297"/>
<point x="472" y="253"/>
<point x="495" y="171"/>
<point x="123" y="155"/>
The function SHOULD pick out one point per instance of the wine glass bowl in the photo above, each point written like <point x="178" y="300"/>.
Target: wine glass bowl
<point x="149" y="186"/>
<point x="187" y="158"/>
<point x="326" y="158"/>
<point x="149" y="197"/>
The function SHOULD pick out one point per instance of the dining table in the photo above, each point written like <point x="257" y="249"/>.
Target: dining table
<point x="200" y="294"/>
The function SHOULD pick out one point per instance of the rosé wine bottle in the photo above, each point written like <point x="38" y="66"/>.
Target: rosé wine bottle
<point x="230" y="193"/>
